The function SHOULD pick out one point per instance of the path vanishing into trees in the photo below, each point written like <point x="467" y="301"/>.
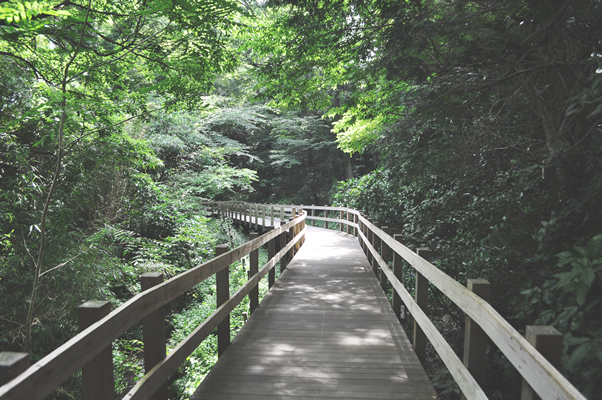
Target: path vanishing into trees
<point x="325" y="330"/>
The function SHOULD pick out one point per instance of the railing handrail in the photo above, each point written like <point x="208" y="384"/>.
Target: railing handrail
<point x="43" y="377"/>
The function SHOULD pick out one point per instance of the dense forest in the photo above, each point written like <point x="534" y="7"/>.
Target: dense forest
<point x="473" y="128"/>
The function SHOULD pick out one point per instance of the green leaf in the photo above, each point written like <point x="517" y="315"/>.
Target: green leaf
<point x="572" y="340"/>
<point x="578" y="355"/>
<point x="587" y="276"/>
<point x="581" y="294"/>
<point x="598" y="110"/>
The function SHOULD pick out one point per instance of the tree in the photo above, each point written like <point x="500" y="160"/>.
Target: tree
<point x="484" y="119"/>
<point x="93" y="67"/>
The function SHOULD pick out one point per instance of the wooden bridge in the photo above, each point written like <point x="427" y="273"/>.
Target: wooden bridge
<point x="324" y="330"/>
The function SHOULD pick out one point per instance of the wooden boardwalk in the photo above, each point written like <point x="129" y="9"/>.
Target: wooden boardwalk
<point x="324" y="331"/>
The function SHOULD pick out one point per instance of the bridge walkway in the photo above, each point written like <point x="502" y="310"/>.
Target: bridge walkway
<point x="324" y="331"/>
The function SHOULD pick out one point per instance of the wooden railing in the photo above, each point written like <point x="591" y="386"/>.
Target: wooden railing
<point x="483" y="323"/>
<point x="90" y="350"/>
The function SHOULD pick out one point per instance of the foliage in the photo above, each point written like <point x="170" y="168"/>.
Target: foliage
<point x="474" y="129"/>
<point x="482" y="120"/>
<point x="578" y="311"/>
<point x="481" y="222"/>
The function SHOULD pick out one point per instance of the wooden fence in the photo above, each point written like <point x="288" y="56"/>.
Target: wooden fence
<point x="483" y="323"/>
<point x="90" y="350"/>
<point x="533" y="356"/>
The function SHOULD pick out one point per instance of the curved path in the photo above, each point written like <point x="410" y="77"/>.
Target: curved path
<point x="324" y="331"/>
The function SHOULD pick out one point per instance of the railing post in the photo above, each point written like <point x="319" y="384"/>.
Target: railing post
<point x="297" y="229"/>
<point x="548" y="341"/>
<point x="301" y="227"/>
<point x="97" y="375"/>
<point x="250" y="222"/>
<point x="256" y="217"/>
<point x="12" y="365"/>
<point x="249" y="211"/>
<point x="291" y="235"/>
<point x="281" y="215"/>
<point x="272" y="215"/>
<point x="398" y="272"/>
<point x="367" y="233"/>
<point x="153" y="333"/>
<point x="385" y="252"/>
<point x="362" y="229"/>
<point x="313" y="213"/>
<point x="370" y="240"/>
<point x="376" y="244"/>
<point x="475" y="340"/>
<point x="355" y="221"/>
<point x="422" y="295"/>
<point x="271" y="253"/>
<point x="340" y="223"/>
<point x="348" y="228"/>
<point x="283" y="243"/>
<point x="222" y="283"/>
<point x="278" y="244"/>
<point x="253" y="269"/>
<point x="326" y="216"/>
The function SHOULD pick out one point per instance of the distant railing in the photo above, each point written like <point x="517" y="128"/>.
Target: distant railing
<point x="90" y="350"/>
<point x="483" y="323"/>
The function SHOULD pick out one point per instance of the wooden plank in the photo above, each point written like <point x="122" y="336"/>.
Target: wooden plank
<point x="537" y="371"/>
<point x="97" y="374"/>
<point x="475" y="340"/>
<point x="385" y="252"/>
<point x="548" y="341"/>
<point x="253" y="268"/>
<point x="421" y="294"/>
<point x="271" y="253"/>
<point x="222" y="293"/>
<point x="398" y="272"/>
<point x="11" y="365"/>
<point x="283" y="241"/>
<point x="153" y="332"/>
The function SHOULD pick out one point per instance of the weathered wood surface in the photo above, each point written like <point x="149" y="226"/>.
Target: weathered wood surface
<point x="325" y="330"/>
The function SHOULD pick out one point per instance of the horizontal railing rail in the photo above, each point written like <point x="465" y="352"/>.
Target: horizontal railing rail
<point x="39" y="380"/>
